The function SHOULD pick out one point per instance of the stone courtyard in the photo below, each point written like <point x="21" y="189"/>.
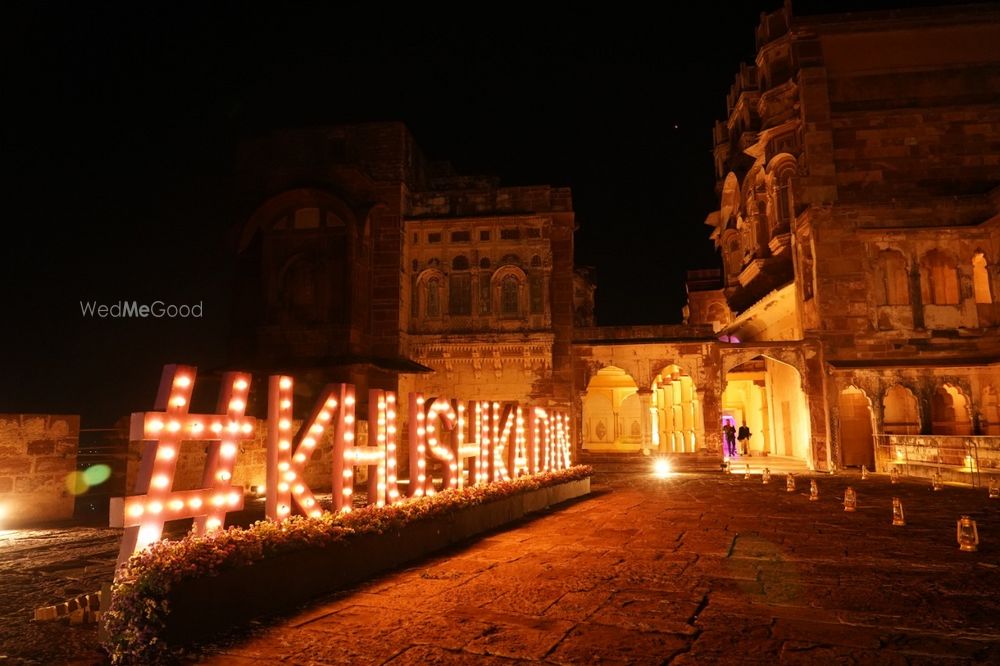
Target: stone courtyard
<point x="697" y="568"/>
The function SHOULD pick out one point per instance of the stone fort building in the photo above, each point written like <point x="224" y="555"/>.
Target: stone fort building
<point x="858" y="174"/>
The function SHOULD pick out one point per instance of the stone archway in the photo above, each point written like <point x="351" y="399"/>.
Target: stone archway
<point x="950" y="412"/>
<point x="767" y="394"/>
<point x="612" y="412"/>
<point x="855" y="417"/>
<point x="902" y="415"/>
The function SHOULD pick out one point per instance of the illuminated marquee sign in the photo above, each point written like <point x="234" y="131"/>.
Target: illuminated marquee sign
<point x="507" y="441"/>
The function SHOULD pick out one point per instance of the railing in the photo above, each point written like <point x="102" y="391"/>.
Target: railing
<point x="963" y="458"/>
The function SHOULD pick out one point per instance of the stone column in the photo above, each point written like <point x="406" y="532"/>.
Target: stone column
<point x="645" y="402"/>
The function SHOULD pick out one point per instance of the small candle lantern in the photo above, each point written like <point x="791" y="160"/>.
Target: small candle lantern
<point x="936" y="481"/>
<point x="897" y="512"/>
<point x="725" y="467"/>
<point x="864" y="472"/>
<point x="813" y="490"/>
<point x="894" y="474"/>
<point x="994" y="488"/>
<point x="790" y="483"/>
<point x="765" y="476"/>
<point x="967" y="534"/>
<point x="746" y="475"/>
<point x="850" y="500"/>
<point x="833" y="468"/>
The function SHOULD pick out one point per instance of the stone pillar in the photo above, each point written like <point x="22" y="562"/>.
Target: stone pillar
<point x="645" y="403"/>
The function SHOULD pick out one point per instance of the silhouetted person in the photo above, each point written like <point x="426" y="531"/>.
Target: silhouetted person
<point x="744" y="437"/>
<point x="730" y="433"/>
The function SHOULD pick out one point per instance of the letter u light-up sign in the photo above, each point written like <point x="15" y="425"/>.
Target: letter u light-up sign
<point x="162" y="431"/>
<point x="504" y="444"/>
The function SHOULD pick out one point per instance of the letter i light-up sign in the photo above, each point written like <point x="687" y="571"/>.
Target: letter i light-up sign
<point x="161" y="431"/>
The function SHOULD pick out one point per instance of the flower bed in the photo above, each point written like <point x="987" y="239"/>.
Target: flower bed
<point x="179" y="590"/>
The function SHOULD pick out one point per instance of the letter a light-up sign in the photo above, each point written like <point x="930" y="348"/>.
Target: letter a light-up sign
<point x="162" y="431"/>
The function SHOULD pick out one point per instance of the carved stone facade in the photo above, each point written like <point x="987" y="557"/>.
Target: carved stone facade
<point x="858" y="174"/>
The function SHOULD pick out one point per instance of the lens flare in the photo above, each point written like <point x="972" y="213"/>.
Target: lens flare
<point x="97" y="474"/>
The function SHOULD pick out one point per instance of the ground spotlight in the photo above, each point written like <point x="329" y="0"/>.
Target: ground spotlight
<point x="661" y="468"/>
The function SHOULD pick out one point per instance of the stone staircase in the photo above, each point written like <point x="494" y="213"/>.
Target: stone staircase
<point x="635" y="463"/>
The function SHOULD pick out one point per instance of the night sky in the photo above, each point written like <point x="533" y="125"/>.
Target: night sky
<point x="121" y="122"/>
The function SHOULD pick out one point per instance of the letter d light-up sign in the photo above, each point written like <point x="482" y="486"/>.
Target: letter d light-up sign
<point x="162" y="431"/>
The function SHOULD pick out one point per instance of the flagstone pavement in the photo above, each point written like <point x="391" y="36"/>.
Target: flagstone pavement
<point x="694" y="569"/>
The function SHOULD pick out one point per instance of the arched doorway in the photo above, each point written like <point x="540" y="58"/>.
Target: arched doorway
<point x="901" y="415"/>
<point x="676" y="425"/>
<point x="856" y="445"/>
<point x="611" y="412"/>
<point x="767" y="395"/>
<point x="950" y="412"/>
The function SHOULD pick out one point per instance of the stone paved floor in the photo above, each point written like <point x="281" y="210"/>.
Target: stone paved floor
<point x="691" y="570"/>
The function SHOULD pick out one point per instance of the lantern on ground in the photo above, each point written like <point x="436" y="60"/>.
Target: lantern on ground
<point x="994" y="488"/>
<point x="894" y="474"/>
<point x="850" y="499"/>
<point x="967" y="534"/>
<point x="898" y="518"/>
<point x="864" y="472"/>
<point x="790" y="483"/>
<point x="765" y="476"/>
<point x="747" y="474"/>
<point x="725" y="467"/>
<point x="813" y="490"/>
<point x="936" y="482"/>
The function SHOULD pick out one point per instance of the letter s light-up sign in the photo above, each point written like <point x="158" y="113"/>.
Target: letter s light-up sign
<point x="504" y="444"/>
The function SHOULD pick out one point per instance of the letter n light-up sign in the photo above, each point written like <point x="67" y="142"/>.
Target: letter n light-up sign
<point x="162" y="431"/>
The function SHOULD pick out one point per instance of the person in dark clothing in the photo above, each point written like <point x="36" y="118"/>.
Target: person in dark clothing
<point x="744" y="437"/>
<point x="730" y="433"/>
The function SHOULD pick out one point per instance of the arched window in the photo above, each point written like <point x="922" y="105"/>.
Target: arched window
<point x="433" y="307"/>
<point x="981" y="279"/>
<point x="939" y="278"/>
<point x="901" y="415"/>
<point x="733" y="257"/>
<point x="950" y="412"/>
<point x="509" y="297"/>
<point x="484" y="262"/>
<point x="460" y="263"/>
<point x="893" y="282"/>
<point x="781" y="170"/>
